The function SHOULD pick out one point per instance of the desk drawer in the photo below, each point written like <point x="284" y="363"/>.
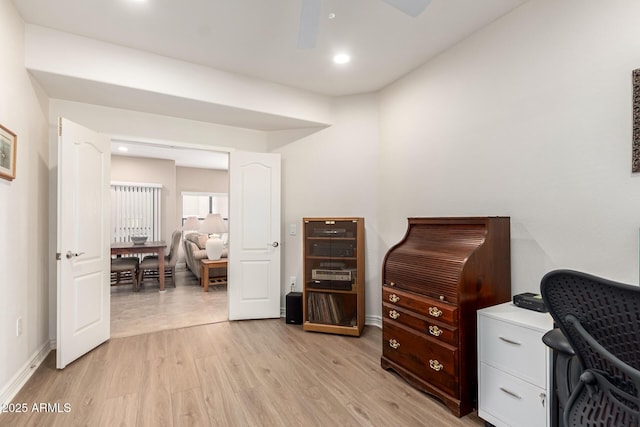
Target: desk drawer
<point x="428" y="359"/>
<point x="511" y="400"/>
<point x="516" y="350"/>
<point x="421" y="323"/>
<point x="429" y="307"/>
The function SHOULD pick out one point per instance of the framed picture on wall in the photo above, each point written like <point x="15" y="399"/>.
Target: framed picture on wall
<point x="8" y="147"/>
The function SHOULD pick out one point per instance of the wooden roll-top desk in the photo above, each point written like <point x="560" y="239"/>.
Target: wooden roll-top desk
<point x="434" y="280"/>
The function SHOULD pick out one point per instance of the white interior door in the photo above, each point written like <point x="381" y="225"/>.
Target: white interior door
<point x="84" y="161"/>
<point x="254" y="236"/>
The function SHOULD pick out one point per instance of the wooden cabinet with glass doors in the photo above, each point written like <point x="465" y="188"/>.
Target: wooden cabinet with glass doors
<point x="334" y="280"/>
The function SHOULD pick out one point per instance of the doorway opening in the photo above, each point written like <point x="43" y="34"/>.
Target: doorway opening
<point x="190" y="185"/>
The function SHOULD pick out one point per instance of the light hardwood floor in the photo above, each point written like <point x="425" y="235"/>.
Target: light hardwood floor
<point x="247" y="373"/>
<point x="135" y="313"/>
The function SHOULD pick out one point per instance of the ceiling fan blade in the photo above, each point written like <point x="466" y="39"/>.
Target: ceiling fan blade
<point x="410" y="7"/>
<point x="309" y="20"/>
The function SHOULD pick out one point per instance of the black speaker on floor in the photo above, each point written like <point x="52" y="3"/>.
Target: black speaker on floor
<point x="294" y="308"/>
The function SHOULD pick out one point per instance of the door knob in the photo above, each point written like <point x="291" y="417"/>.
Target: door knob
<point x="73" y="254"/>
<point x="275" y="244"/>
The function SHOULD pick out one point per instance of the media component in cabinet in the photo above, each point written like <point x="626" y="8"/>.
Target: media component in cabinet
<point x="434" y="280"/>
<point x="514" y="367"/>
<point x="333" y="275"/>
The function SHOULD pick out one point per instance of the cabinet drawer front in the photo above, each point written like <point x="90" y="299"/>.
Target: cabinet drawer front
<point x="435" y="362"/>
<point x="515" y="350"/>
<point x="420" y="323"/>
<point x="510" y="399"/>
<point x="429" y="307"/>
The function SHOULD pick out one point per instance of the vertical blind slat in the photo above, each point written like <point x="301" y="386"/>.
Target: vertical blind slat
<point x="135" y="211"/>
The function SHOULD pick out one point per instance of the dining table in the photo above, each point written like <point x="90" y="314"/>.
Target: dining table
<point x="153" y="247"/>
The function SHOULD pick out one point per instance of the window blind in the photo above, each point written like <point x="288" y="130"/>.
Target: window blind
<point x="135" y="211"/>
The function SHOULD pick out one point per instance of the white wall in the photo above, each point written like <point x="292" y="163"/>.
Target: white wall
<point x="24" y="226"/>
<point x="529" y="118"/>
<point x="53" y="54"/>
<point x="332" y="173"/>
<point x="199" y="180"/>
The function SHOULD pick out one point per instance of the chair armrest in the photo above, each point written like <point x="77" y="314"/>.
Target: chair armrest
<point x="602" y="352"/>
<point x="556" y="340"/>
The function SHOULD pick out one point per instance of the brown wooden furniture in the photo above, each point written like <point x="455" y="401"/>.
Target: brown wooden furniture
<point x="207" y="266"/>
<point x="434" y="280"/>
<point x="333" y="290"/>
<point x="120" y="248"/>
<point x="149" y="265"/>
<point x="125" y="269"/>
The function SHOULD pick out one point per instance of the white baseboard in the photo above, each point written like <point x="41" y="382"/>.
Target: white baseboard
<point x="22" y="376"/>
<point x="373" y="321"/>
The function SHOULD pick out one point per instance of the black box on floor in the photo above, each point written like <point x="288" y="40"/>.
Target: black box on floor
<point x="294" y="308"/>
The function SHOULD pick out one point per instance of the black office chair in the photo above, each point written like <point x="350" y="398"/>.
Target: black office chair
<point x="600" y="320"/>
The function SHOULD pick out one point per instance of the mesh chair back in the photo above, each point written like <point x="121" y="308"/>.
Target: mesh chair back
<point x="601" y="320"/>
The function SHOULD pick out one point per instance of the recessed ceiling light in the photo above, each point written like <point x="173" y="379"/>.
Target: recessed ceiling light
<point x="331" y="15"/>
<point x="123" y="149"/>
<point x="341" y="58"/>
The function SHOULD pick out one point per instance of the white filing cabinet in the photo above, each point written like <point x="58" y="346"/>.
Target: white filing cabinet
<point x="514" y="366"/>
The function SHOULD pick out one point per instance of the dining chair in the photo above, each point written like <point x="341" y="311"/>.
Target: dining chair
<point x="150" y="265"/>
<point x="122" y="267"/>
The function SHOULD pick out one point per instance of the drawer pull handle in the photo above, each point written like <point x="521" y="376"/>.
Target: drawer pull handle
<point x="435" y="331"/>
<point x="392" y="284"/>
<point x="435" y="365"/>
<point x="435" y="311"/>
<point x="509" y="341"/>
<point x="510" y="393"/>
<point x="394" y="298"/>
<point x="394" y="314"/>
<point x="394" y="344"/>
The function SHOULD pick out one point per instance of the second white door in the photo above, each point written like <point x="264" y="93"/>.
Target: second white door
<point x="254" y="236"/>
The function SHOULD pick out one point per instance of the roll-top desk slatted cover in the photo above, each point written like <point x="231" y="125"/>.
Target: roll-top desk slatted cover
<point x="434" y="280"/>
<point x="432" y="258"/>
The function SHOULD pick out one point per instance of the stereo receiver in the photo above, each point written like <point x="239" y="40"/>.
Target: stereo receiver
<point x="322" y="274"/>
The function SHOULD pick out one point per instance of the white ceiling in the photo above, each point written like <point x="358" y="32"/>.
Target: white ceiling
<point x="258" y="37"/>
<point x="185" y="157"/>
